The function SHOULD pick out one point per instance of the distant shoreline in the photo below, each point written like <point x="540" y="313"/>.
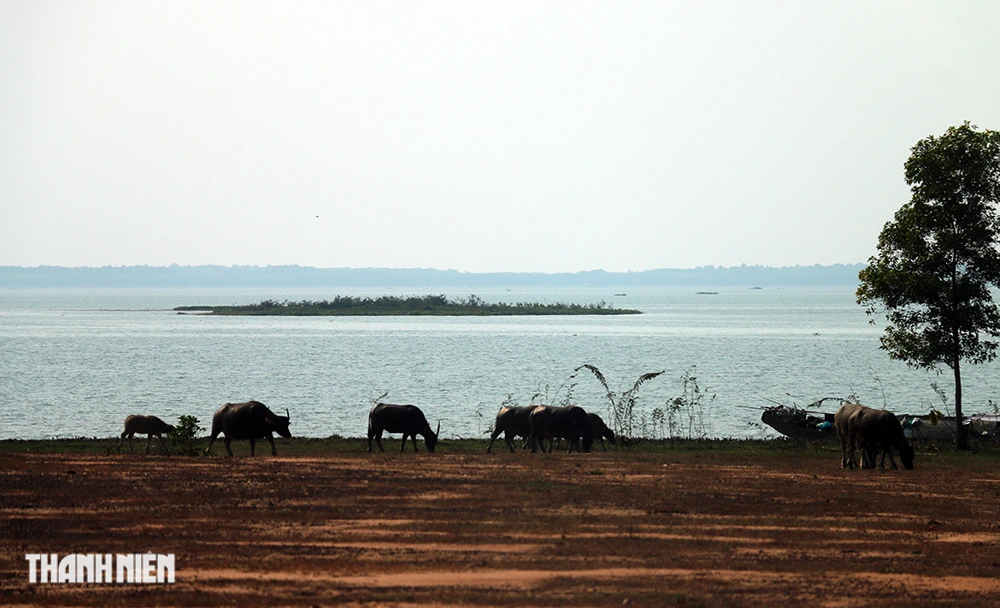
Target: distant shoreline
<point x="309" y="277"/>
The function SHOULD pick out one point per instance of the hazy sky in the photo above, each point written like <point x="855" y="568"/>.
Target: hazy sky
<point x="479" y="136"/>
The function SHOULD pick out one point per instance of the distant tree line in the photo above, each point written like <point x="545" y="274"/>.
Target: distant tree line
<point x="303" y="276"/>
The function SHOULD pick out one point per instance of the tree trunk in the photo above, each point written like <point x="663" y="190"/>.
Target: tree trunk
<point x="961" y="437"/>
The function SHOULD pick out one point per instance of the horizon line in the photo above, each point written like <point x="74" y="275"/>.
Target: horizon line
<point x="426" y="268"/>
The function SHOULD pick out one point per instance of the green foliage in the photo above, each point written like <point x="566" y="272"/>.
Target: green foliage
<point x="937" y="260"/>
<point x="438" y="305"/>
<point x="182" y="438"/>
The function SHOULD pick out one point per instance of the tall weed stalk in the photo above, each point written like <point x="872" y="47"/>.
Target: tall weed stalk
<point x="621" y="406"/>
<point x="689" y="415"/>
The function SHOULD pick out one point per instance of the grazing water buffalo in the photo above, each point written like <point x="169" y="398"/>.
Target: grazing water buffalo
<point x="251" y="420"/>
<point x="569" y="422"/>
<point x="405" y="419"/>
<point x="144" y="425"/>
<point x="874" y="430"/>
<point x="512" y="421"/>
<point x="600" y="430"/>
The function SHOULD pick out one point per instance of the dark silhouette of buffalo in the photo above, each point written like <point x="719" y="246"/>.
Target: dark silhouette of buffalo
<point x="568" y="422"/>
<point x="873" y="430"/>
<point x="600" y="430"/>
<point x="512" y="421"/>
<point x="251" y="420"/>
<point x="144" y="425"/>
<point x="405" y="419"/>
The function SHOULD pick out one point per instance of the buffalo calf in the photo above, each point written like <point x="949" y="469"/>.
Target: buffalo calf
<point x="144" y="425"/>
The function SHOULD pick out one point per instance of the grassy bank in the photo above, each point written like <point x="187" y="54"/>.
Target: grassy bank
<point x="308" y="446"/>
<point x="411" y="306"/>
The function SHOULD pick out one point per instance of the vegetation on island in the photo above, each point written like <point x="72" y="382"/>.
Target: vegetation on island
<point x="431" y="305"/>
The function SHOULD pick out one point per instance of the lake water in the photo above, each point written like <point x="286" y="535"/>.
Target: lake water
<point x="75" y="362"/>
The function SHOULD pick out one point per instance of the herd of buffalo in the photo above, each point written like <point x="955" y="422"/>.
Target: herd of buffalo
<point x="870" y="430"/>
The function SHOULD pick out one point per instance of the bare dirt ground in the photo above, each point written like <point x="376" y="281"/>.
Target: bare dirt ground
<point x="688" y="529"/>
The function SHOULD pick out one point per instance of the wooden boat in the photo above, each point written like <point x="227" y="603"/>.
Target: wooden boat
<point x="796" y="422"/>
<point x="799" y="423"/>
<point x="922" y="427"/>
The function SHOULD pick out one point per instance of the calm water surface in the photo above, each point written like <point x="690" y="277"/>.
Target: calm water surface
<point x="75" y="362"/>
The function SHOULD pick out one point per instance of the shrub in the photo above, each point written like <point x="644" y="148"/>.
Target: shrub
<point x="182" y="438"/>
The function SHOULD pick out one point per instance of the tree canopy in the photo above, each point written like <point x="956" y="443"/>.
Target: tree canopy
<point x="937" y="260"/>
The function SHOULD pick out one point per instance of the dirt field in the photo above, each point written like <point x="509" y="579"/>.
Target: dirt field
<point x="687" y="529"/>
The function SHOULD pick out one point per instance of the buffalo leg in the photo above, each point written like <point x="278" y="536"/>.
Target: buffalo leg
<point x="149" y="438"/>
<point x="253" y="443"/>
<point x="538" y="441"/>
<point x="403" y="445"/>
<point x="868" y="454"/>
<point x="229" y="450"/>
<point x="493" y="437"/>
<point x="852" y="442"/>
<point x="843" y="451"/>
<point x="211" y="441"/>
<point x="509" y="440"/>
<point x="533" y="443"/>
<point x="274" y="450"/>
<point x="120" y="440"/>
<point x="162" y="444"/>
<point x="892" y="461"/>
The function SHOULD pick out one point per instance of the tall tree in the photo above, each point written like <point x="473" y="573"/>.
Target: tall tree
<point x="937" y="261"/>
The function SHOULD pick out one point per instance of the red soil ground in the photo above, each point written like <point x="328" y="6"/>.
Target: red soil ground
<point x="688" y="529"/>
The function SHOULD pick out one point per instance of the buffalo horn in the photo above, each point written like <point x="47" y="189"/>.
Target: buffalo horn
<point x="439" y="428"/>
<point x="288" y="415"/>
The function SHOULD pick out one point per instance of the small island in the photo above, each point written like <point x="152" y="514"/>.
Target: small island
<point x="438" y="305"/>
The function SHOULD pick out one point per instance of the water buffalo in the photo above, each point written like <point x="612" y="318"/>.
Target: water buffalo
<point x="512" y="421"/>
<point x="568" y="422"/>
<point x="144" y="425"/>
<point x="251" y="420"/>
<point x="600" y="430"/>
<point x="874" y="430"/>
<point x="405" y="419"/>
<point x="869" y="455"/>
